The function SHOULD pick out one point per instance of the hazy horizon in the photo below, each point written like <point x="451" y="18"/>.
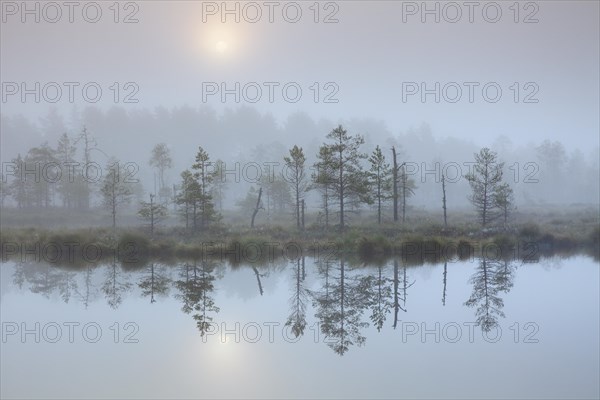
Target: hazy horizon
<point x="370" y="57"/>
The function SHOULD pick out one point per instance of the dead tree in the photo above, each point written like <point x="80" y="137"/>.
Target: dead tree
<point x="257" y="208"/>
<point x="444" y="292"/>
<point x="302" y="214"/>
<point x="444" y="201"/>
<point x="395" y="177"/>
<point x="258" y="275"/>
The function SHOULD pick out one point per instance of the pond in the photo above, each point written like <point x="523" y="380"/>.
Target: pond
<point x="478" y="328"/>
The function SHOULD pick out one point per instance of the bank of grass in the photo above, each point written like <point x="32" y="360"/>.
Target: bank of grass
<point x="417" y="244"/>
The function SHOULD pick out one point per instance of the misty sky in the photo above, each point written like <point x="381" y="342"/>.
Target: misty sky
<point x="368" y="54"/>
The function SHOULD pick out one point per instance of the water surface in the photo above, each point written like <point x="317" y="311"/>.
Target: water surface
<point x="469" y="329"/>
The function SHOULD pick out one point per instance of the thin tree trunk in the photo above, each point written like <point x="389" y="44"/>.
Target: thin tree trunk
<point x="256" y="208"/>
<point x="378" y="199"/>
<point x="445" y="274"/>
<point x="341" y="183"/>
<point x="404" y="183"/>
<point x="260" y="288"/>
<point x="396" y="301"/>
<point x="298" y="202"/>
<point x="151" y="215"/>
<point x="302" y="214"/>
<point x="444" y="200"/>
<point x="326" y="208"/>
<point x="395" y="177"/>
<point x="114" y="207"/>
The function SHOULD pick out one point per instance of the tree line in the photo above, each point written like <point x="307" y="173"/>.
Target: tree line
<point x="344" y="177"/>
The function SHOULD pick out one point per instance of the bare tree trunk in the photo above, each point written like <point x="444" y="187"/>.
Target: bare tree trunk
<point x="152" y="284"/>
<point x="445" y="274"/>
<point x="404" y="183"/>
<point x="260" y="288"/>
<point x="378" y="199"/>
<point x="258" y="207"/>
<point x="395" y="177"/>
<point x="444" y="200"/>
<point x="195" y="216"/>
<point x="302" y="214"/>
<point x="396" y="300"/>
<point x="152" y="215"/>
<point x="485" y="197"/>
<point x="326" y="208"/>
<point x="298" y="204"/>
<point x="341" y="183"/>
<point x="114" y="207"/>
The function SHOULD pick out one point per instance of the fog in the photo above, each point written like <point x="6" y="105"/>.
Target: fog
<point x="541" y="173"/>
<point x="248" y="81"/>
<point x="384" y="185"/>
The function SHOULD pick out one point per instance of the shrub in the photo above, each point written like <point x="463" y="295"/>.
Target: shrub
<point x="529" y="231"/>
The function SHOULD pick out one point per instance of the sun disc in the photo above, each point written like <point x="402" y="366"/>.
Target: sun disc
<point x="221" y="46"/>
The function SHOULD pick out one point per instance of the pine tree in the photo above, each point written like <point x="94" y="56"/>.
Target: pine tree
<point x="380" y="179"/>
<point x="349" y="183"/>
<point x="204" y="175"/>
<point x="484" y="180"/>
<point x="295" y="177"/>
<point x="152" y="212"/>
<point x="115" y="190"/>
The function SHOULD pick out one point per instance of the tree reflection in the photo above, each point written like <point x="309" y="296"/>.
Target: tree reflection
<point x="45" y="279"/>
<point x="381" y="303"/>
<point x="258" y="276"/>
<point x="154" y="282"/>
<point x="196" y="285"/>
<point x="87" y="292"/>
<point x="297" y="317"/>
<point x="491" y="278"/>
<point x="340" y="305"/>
<point x="401" y="285"/>
<point x="445" y="274"/>
<point x="115" y="285"/>
<point x="343" y="295"/>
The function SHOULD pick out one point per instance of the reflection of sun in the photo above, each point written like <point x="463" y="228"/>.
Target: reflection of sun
<point x="221" y="46"/>
<point x="222" y="348"/>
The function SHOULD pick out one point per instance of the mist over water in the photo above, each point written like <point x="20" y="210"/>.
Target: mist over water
<point x="334" y="199"/>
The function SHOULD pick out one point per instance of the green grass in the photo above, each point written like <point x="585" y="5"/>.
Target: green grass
<point x="421" y="239"/>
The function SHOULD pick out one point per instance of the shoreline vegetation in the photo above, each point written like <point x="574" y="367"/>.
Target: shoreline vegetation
<point x="416" y="243"/>
<point x="340" y="201"/>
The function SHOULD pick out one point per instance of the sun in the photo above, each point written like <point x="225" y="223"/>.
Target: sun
<point x="221" y="43"/>
<point x="221" y="46"/>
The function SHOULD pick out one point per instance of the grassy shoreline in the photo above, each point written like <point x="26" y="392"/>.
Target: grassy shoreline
<point x="369" y="244"/>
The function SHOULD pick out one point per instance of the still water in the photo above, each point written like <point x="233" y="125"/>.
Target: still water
<point x="468" y="329"/>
